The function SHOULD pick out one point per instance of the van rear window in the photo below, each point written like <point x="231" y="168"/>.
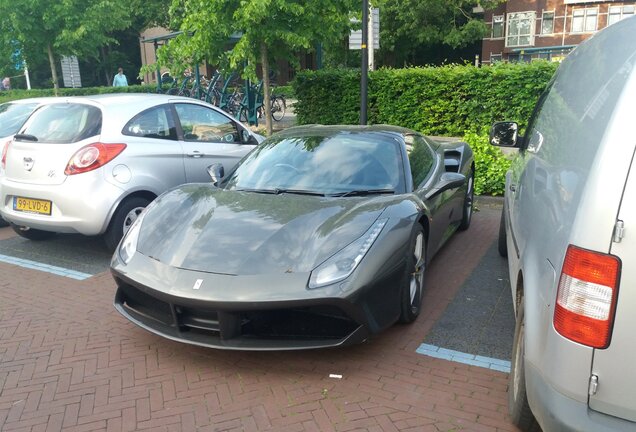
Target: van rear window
<point x="64" y="123"/>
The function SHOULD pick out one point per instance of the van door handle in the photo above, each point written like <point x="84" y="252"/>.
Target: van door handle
<point x="195" y="154"/>
<point x="513" y="188"/>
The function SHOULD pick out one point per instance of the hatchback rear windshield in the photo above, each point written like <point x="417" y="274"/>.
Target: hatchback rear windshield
<point x="13" y="116"/>
<point x="63" y="123"/>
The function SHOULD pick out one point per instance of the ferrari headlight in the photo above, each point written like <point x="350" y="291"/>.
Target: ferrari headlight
<point x="343" y="263"/>
<point x="128" y="245"/>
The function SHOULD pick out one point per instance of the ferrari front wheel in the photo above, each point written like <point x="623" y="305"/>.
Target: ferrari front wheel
<point x="413" y="281"/>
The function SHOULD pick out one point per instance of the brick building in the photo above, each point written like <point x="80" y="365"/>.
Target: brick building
<point x="523" y="30"/>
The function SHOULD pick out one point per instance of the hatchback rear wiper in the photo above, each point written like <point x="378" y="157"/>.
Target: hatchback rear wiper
<point x="363" y="192"/>
<point x="25" y="137"/>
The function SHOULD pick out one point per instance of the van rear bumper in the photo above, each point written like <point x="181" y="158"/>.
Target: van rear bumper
<point x="557" y="412"/>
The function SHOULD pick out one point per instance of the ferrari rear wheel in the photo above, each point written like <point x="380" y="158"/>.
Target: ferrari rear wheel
<point x="413" y="282"/>
<point x="467" y="214"/>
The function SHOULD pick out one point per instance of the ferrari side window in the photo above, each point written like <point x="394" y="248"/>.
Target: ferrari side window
<point x="421" y="158"/>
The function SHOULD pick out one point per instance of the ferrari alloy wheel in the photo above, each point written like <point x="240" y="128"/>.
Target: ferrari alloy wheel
<point x="467" y="214"/>
<point x="413" y="288"/>
<point x="518" y="407"/>
<point x="124" y="217"/>
<point x="31" y="233"/>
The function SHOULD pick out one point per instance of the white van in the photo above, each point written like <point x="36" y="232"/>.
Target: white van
<point x="569" y="231"/>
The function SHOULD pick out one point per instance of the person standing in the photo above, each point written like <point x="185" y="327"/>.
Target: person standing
<point x="6" y="84"/>
<point x="120" y="79"/>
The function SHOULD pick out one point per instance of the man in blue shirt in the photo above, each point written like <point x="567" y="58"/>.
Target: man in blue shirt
<point x="120" y="79"/>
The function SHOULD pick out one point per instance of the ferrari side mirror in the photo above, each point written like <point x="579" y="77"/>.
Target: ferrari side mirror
<point x="216" y="172"/>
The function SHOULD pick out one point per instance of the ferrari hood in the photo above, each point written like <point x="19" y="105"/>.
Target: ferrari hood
<point x="199" y="227"/>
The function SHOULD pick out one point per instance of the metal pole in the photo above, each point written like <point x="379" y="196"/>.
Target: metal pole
<point x="26" y="75"/>
<point x="365" y="62"/>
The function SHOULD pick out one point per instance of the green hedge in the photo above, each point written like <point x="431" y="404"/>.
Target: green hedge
<point x="10" y="95"/>
<point x="444" y="101"/>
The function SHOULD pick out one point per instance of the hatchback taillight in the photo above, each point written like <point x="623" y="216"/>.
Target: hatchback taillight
<point x="5" y="148"/>
<point x="586" y="297"/>
<point x="92" y="156"/>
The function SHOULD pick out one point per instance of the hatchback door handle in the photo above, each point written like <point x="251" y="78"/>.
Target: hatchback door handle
<point x="195" y="154"/>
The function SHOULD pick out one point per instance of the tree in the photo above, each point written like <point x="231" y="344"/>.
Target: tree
<point x="71" y="27"/>
<point x="267" y="30"/>
<point x="412" y="27"/>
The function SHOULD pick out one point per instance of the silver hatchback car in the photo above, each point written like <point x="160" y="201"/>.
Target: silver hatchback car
<point x="90" y="165"/>
<point x="569" y="231"/>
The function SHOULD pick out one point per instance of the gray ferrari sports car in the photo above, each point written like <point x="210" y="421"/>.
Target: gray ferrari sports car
<point x="319" y="237"/>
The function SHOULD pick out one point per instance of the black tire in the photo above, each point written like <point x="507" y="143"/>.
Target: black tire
<point x="518" y="407"/>
<point x="173" y="91"/>
<point x="278" y="108"/>
<point x="415" y="273"/>
<point x="32" y="233"/>
<point x="124" y="216"/>
<point x="502" y="245"/>
<point x="467" y="210"/>
<point x="3" y="223"/>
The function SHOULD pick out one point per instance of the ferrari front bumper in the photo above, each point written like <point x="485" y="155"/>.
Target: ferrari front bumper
<point x="231" y="312"/>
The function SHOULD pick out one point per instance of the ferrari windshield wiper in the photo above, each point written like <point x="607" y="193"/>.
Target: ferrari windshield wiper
<point x="277" y="191"/>
<point x="297" y="192"/>
<point x="26" y="137"/>
<point x="363" y="192"/>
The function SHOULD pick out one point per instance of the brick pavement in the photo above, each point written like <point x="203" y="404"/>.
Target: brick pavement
<point x="69" y="361"/>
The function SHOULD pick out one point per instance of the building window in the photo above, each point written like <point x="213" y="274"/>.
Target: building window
<point x="497" y="27"/>
<point x="584" y="20"/>
<point x="617" y="13"/>
<point x="547" y="23"/>
<point x="495" y="58"/>
<point x="520" y="29"/>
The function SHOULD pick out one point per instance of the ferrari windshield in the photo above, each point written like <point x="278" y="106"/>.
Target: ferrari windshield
<point x="337" y="164"/>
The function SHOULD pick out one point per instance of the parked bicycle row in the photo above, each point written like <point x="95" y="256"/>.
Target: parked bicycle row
<point x="243" y="100"/>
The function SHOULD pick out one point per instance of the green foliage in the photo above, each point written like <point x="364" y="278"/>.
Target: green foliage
<point x="444" y="101"/>
<point x="416" y="29"/>
<point x="230" y="32"/>
<point x="490" y="165"/>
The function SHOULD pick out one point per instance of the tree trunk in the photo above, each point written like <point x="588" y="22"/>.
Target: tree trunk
<point x="267" y="105"/>
<point x="53" y="68"/>
<point x="105" y="68"/>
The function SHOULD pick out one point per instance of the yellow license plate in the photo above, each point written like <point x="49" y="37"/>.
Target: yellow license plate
<point x="31" y="205"/>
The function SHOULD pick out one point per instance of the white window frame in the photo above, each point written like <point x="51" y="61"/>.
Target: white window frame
<point x="553" y="12"/>
<point x="512" y="16"/>
<point x="503" y="27"/>
<point x="586" y="13"/>
<point x="621" y="13"/>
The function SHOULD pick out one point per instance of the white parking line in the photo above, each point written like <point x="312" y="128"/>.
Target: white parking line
<point x="34" y="265"/>
<point x="465" y="358"/>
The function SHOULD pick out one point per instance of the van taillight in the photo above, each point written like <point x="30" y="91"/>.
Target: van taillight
<point x="4" y="154"/>
<point x="586" y="297"/>
<point x="92" y="156"/>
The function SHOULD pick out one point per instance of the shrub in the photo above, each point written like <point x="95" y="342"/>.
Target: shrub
<point x="10" y="95"/>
